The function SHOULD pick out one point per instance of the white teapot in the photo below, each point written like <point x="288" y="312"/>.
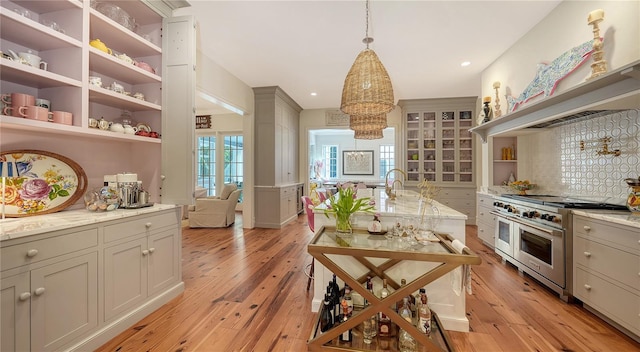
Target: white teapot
<point x="116" y="127"/>
<point x="128" y="129"/>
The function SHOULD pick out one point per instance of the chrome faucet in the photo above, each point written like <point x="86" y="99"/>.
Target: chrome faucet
<point x="388" y="189"/>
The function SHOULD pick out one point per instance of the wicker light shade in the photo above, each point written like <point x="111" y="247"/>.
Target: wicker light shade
<point x="367" y="89"/>
<point x="373" y="134"/>
<point x="368" y="123"/>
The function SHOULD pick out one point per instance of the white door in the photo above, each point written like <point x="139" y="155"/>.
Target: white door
<point x="125" y="277"/>
<point x="15" y="305"/>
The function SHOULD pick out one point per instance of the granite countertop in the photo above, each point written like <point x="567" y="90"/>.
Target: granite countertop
<point x="406" y="203"/>
<point x="12" y="228"/>
<point x="620" y="217"/>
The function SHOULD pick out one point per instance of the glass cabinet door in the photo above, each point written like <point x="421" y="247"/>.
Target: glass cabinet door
<point x="413" y="146"/>
<point x="429" y="155"/>
<point x="465" y="147"/>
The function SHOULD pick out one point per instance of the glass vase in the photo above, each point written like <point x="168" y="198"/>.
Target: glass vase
<point x="343" y="223"/>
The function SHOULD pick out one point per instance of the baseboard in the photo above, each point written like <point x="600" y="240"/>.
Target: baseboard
<point x="114" y="328"/>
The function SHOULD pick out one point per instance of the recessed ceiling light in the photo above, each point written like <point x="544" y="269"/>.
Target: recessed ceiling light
<point x="465" y="63"/>
<point x="313" y="94"/>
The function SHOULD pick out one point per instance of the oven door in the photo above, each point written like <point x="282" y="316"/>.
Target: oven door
<point x="541" y="249"/>
<point x="504" y="235"/>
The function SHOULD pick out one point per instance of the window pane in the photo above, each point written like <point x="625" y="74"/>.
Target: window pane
<point x="233" y="165"/>
<point x="206" y="177"/>
<point x="387" y="159"/>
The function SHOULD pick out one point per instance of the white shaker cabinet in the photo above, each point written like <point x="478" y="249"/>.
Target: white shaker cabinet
<point x="51" y="299"/>
<point x="485" y="220"/>
<point x="606" y="264"/>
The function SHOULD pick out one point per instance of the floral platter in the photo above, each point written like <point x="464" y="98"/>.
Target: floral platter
<point x="36" y="182"/>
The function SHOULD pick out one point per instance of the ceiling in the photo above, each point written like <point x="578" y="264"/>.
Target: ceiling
<point x="309" y="46"/>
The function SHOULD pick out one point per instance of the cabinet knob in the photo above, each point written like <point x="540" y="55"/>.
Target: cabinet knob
<point x="151" y="250"/>
<point x="587" y="254"/>
<point x="145" y="252"/>
<point x="39" y="291"/>
<point x="147" y="225"/>
<point x="587" y="287"/>
<point x="32" y="253"/>
<point x="587" y="228"/>
<point x="481" y="213"/>
<point x="24" y="296"/>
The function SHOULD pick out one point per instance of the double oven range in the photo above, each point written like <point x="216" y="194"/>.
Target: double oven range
<point x="535" y="233"/>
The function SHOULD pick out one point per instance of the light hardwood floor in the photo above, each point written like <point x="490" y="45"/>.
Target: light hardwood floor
<point x="246" y="291"/>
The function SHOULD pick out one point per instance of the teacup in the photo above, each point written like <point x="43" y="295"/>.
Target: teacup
<point x="139" y="96"/>
<point x="43" y="103"/>
<point x="93" y="123"/>
<point x="33" y="60"/>
<point x="62" y="117"/>
<point x="124" y="57"/>
<point x="34" y="112"/>
<point x="15" y="101"/>
<point x="104" y="124"/>
<point x="95" y="80"/>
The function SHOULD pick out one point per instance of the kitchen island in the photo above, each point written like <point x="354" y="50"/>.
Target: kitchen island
<point x="445" y="296"/>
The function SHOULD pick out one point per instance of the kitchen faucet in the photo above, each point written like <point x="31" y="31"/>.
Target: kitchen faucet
<point x="388" y="189"/>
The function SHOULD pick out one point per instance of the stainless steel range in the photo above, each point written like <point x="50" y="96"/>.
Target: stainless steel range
<point x="535" y="233"/>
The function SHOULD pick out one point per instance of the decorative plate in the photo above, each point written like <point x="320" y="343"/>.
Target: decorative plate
<point x="39" y="182"/>
<point x="143" y="127"/>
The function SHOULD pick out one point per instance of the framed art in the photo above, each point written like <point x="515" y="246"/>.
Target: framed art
<point x="38" y="182"/>
<point x="357" y="162"/>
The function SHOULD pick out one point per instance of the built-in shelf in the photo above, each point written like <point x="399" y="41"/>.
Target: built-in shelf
<point x="616" y="90"/>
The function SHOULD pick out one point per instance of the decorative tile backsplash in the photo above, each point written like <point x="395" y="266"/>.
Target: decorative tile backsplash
<point x="560" y="167"/>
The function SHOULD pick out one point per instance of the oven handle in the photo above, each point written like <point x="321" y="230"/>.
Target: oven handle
<point x="548" y="230"/>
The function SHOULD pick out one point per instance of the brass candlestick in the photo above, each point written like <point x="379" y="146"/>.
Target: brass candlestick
<point x="599" y="65"/>
<point x="496" y="112"/>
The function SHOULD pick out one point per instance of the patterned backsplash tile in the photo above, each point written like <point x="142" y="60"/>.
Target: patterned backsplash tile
<point x="560" y="167"/>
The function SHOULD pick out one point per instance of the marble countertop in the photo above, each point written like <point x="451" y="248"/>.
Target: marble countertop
<point x="406" y="203"/>
<point x="620" y="217"/>
<point x="12" y="228"/>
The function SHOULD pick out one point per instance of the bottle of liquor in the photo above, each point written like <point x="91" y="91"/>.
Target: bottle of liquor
<point x="424" y="313"/>
<point x="412" y="300"/>
<point x="406" y="342"/>
<point x="347" y="297"/>
<point x="384" y="322"/>
<point x="373" y="320"/>
<point x="335" y="296"/>
<point x="347" y="335"/>
<point x="326" y="319"/>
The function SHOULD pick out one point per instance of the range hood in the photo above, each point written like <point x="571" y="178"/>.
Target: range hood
<point x="617" y="90"/>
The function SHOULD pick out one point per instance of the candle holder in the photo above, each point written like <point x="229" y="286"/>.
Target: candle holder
<point x="599" y="65"/>
<point x="497" y="112"/>
<point x="488" y="114"/>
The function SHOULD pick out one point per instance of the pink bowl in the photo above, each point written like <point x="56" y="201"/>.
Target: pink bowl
<point x="145" y="66"/>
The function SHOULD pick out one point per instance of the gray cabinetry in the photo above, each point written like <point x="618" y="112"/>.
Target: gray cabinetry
<point x="276" y="154"/>
<point x="485" y="220"/>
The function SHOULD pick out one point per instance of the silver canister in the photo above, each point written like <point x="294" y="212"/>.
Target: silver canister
<point x="128" y="194"/>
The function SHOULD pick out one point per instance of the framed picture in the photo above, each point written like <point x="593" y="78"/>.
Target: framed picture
<point x="357" y="162"/>
<point x="336" y="118"/>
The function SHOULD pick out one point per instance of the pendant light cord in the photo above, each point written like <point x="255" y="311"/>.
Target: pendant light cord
<point x="367" y="39"/>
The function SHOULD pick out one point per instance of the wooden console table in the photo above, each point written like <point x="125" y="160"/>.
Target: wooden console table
<point x="328" y="246"/>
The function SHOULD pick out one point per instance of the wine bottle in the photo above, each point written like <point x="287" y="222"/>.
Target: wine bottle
<point x="373" y="320"/>
<point x="347" y="297"/>
<point x="335" y="296"/>
<point x="384" y="322"/>
<point x="326" y="319"/>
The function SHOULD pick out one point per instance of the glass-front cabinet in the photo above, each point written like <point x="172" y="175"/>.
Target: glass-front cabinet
<point x="439" y="146"/>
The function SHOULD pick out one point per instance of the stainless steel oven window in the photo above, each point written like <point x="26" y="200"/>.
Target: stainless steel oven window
<point x="536" y="246"/>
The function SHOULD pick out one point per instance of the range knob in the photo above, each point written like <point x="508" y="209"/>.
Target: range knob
<point x="543" y="216"/>
<point x="497" y="204"/>
<point x="551" y="218"/>
<point x="509" y="208"/>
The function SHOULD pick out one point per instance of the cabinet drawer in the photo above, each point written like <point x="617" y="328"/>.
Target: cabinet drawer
<point x="608" y="233"/>
<point x="484" y="215"/>
<point x="458" y="193"/>
<point x="138" y="226"/>
<point x="485" y="200"/>
<point x="611" y="262"/>
<point x="613" y="301"/>
<point x="38" y="250"/>
<point x="286" y="192"/>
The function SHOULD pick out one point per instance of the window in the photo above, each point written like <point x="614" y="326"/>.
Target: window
<point x="233" y="161"/>
<point x="387" y="159"/>
<point x="207" y="164"/>
<point x="330" y="161"/>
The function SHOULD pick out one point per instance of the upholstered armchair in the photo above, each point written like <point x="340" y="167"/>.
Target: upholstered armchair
<point x="218" y="211"/>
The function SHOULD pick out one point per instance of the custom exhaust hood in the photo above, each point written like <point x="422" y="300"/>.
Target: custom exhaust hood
<point x="617" y="90"/>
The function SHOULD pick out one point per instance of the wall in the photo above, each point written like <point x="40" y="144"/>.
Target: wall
<point x="551" y="158"/>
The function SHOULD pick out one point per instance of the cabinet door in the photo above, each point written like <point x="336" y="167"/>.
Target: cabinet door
<point x="15" y="305"/>
<point x="163" y="260"/>
<point x="64" y="302"/>
<point x="125" y="276"/>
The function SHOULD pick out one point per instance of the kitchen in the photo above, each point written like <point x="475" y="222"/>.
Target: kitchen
<point x="524" y="143"/>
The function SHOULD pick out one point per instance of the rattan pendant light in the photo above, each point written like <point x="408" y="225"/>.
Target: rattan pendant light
<point x="367" y="88"/>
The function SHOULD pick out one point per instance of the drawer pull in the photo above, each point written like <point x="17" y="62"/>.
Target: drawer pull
<point x="39" y="291"/>
<point x="24" y="296"/>
<point x="145" y="252"/>
<point x="587" y="287"/>
<point x="32" y="253"/>
<point x="587" y="228"/>
<point x="587" y="254"/>
<point x="147" y="225"/>
<point x="151" y="250"/>
<point x="481" y="213"/>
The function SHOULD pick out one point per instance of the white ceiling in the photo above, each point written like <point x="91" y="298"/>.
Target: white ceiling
<point x="309" y="46"/>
